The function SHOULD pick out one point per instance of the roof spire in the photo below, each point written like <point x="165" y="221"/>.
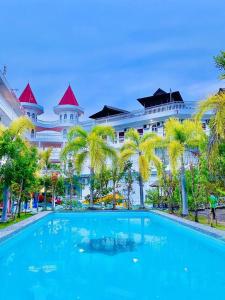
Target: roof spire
<point x="27" y="95"/>
<point x="69" y="98"/>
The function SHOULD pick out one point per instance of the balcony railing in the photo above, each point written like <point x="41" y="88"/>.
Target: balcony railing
<point x="172" y="106"/>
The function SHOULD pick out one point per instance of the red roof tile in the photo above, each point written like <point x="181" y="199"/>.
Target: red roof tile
<point x="27" y="95"/>
<point x="69" y="98"/>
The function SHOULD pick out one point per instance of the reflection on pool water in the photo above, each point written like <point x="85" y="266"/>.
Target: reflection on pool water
<point x="136" y="255"/>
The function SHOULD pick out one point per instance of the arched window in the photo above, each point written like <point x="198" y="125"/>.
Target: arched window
<point x="65" y="116"/>
<point x="33" y="116"/>
<point x="71" y="117"/>
<point x="64" y="133"/>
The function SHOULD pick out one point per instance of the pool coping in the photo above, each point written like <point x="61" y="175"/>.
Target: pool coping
<point x="12" y="229"/>
<point x="216" y="233"/>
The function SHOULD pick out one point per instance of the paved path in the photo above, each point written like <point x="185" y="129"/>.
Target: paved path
<point x="4" y="233"/>
<point x="220" y="234"/>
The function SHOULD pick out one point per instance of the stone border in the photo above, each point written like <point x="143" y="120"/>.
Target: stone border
<point x="217" y="233"/>
<point x="12" y="229"/>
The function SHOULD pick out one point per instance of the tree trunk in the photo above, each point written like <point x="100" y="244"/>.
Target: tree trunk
<point x="19" y="199"/>
<point x="114" y="195"/>
<point x="53" y="199"/>
<point x="5" y="203"/>
<point x="36" y="199"/>
<point x="196" y="215"/>
<point x="71" y="195"/>
<point x="91" y="188"/>
<point x="183" y="189"/>
<point x="128" y="198"/>
<point x="142" y="205"/>
<point x="45" y="198"/>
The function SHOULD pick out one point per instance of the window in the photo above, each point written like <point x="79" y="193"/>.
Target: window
<point x="121" y="136"/>
<point x="154" y="128"/>
<point x="33" y="116"/>
<point x="140" y="131"/>
<point x="65" y="116"/>
<point x="204" y="126"/>
<point x="64" y="133"/>
<point x="60" y="117"/>
<point x="32" y="133"/>
<point x="71" y="117"/>
<point x="28" y="114"/>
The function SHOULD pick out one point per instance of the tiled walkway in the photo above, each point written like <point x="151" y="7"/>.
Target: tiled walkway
<point x="220" y="234"/>
<point x="4" y="233"/>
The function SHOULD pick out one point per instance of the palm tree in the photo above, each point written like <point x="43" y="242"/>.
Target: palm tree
<point x="90" y="146"/>
<point x="181" y="137"/>
<point x="45" y="160"/>
<point x="116" y="170"/>
<point x="135" y="146"/>
<point x="12" y="143"/>
<point x="215" y="103"/>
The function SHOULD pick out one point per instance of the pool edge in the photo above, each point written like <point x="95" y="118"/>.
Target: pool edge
<point x="216" y="233"/>
<point x="13" y="229"/>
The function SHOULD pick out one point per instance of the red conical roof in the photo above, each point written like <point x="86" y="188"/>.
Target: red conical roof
<point x="27" y="95"/>
<point x="69" y="98"/>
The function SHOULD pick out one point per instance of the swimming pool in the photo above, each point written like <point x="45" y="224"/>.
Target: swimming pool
<point x="111" y="255"/>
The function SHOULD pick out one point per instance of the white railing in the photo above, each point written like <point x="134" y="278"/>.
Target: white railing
<point x="189" y="106"/>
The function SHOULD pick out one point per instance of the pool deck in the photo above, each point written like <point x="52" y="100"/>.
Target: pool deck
<point x="8" y="231"/>
<point x="217" y="233"/>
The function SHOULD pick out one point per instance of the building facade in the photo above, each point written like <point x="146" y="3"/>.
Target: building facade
<point x="154" y="110"/>
<point x="10" y="107"/>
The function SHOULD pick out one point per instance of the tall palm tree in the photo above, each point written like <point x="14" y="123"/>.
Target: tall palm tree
<point x="134" y="146"/>
<point x="215" y="103"/>
<point x="90" y="146"/>
<point x="12" y="142"/>
<point x="181" y="137"/>
<point x="45" y="160"/>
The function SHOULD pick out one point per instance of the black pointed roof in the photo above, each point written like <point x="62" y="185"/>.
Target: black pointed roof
<point x="108" y="111"/>
<point x="160" y="97"/>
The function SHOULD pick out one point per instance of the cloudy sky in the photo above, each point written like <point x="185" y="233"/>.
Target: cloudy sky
<point x="111" y="51"/>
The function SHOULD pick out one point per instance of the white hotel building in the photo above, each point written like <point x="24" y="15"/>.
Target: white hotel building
<point x="151" y="114"/>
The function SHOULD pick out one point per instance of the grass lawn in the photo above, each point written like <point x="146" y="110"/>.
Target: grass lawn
<point x="11" y="222"/>
<point x="204" y="220"/>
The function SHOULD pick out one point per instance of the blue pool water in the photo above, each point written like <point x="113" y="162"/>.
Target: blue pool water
<point x="111" y="256"/>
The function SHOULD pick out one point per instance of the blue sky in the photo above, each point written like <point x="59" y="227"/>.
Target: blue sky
<point x="111" y="51"/>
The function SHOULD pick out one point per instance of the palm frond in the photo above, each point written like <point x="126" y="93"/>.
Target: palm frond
<point x="104" y="131"/>
<point x="148" y="136"/>
<point x="175" y="150"/>
<point x="143" y="167"/>
<point x="133" y="135"/>
<point x="79" y="160"/>
<point x="20" y="125"/>
<point x="77" y="131"/>
<point x="126" y="154"/>
<point x="129" y="144"/>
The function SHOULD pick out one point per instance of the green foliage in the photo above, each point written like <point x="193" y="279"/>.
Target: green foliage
<point x="220" y="63"/>
<point x="152" y="197"/>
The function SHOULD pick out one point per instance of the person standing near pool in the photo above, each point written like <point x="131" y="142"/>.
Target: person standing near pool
<point x="213" y="201"/>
